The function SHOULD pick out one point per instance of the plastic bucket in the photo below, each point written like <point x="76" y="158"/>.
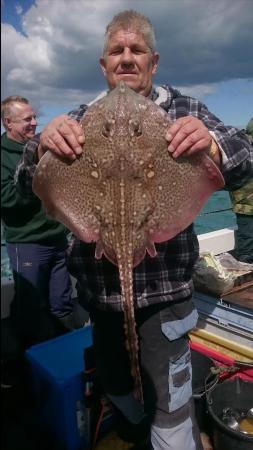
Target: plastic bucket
<point x="236" y="394"/>
<point x="202" y="380"/>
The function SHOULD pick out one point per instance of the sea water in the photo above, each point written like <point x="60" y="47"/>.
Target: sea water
<point x="215" y="215"/>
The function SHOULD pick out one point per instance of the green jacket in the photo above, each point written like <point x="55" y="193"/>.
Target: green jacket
<point x="242" y="199"/>
<point x="23" y="220"/>
<point x="249" y="130"/>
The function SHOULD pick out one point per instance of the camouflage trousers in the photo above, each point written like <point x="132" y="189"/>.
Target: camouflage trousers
<point x="168" y="415"/>
<point x="244" y="238"/>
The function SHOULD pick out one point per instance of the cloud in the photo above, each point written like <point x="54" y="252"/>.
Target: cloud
<point x="19" y="9"/>
<point x="55" y="58"/>
<point x="199" y="90"/>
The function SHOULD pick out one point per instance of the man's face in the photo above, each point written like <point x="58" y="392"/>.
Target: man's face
<point x="128" y="58"/>
<point x="21" y="125"/>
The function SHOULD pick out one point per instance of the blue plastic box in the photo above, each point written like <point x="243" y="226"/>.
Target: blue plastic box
<point x="57" y="366"/>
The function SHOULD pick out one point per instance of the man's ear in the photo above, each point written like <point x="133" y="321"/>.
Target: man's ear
<point x="102" y="63"/>
<point x="7" y="123"/>
<point x="155" y="60"/>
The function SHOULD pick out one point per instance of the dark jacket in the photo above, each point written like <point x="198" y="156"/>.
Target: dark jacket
<point x="23" y="219"/>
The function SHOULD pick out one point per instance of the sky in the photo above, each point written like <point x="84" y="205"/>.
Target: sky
<point x="51" y="48"/>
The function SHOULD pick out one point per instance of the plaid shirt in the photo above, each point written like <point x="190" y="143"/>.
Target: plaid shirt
<point x="166" y="277"/>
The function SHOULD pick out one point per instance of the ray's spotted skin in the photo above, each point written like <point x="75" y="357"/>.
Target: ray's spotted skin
<point x="126" y="191"/>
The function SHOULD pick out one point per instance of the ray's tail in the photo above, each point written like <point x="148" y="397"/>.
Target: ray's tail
<point x="132" y="344"/>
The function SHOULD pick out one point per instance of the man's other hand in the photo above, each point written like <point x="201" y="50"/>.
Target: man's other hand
<point x="188" y="135"/>
<point x="63" y="136"/>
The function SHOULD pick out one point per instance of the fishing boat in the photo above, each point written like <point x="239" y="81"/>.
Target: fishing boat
<point x="225" y="309"/>
<point x="224" y="333"/>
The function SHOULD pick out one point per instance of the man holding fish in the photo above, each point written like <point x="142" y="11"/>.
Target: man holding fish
<point x="162" y="285"/>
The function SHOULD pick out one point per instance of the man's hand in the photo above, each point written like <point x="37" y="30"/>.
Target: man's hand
<point x="188" y="135"/>
<point x="63" y="136"/>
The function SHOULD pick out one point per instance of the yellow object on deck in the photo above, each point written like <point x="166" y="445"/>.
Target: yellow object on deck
<point x="112" y="441"/>
<point x="222" y="345"/>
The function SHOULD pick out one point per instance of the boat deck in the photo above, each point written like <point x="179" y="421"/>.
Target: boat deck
<point x="241" y="295"/>
<point x="21" y="428"/>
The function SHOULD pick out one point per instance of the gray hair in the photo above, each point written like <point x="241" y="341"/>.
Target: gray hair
<point x="8" y="103"/>
<point x="129" y="20"/>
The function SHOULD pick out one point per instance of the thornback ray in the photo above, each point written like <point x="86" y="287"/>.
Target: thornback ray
<point x="126" y="192"/>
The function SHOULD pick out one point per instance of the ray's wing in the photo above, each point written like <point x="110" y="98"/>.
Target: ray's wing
<point x="178" y="187"/>
<point x="181" y="191"/>
<point x="68" y="191"/>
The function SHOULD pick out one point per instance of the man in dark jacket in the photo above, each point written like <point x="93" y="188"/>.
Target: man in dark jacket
<point x="35" y="243"/>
